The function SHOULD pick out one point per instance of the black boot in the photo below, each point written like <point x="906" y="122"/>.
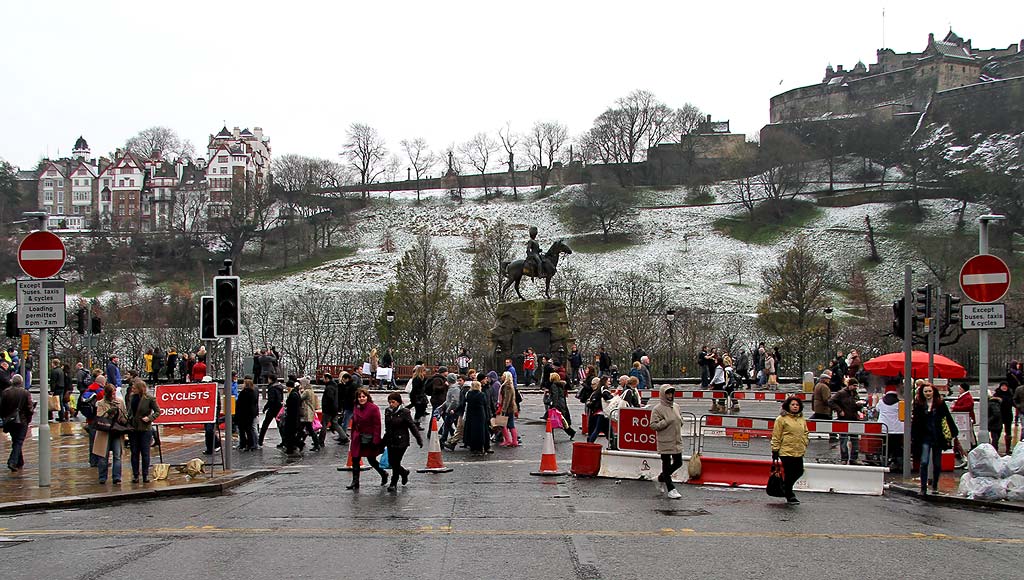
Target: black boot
<point x="405" y="476"/>
<point x="355" y="477"/>
<point x="393" y="486"/>
<point x="383" y="476"/>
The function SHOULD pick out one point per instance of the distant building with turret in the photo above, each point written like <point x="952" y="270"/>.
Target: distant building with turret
<point x="898" y="82"/>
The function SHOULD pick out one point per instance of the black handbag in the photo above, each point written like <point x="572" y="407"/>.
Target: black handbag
<point x="776" y="485"/>
<point x="365" y="439"/>
<point x="111" y="423"/>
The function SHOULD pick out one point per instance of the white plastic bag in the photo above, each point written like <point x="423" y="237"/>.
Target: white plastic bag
<point x="966" y="488"/>
<point x="1004" y="467"/>
<point x="1016" y="461"/>
<point x="983" y="461"/>
<point x="988" y="489"/>
<point x="1015" y="488"/>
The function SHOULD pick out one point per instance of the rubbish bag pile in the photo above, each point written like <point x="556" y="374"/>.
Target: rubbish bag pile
<point x="993" y="478"/>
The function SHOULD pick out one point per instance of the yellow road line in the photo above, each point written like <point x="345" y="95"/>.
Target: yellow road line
<point x="449" y="531"/>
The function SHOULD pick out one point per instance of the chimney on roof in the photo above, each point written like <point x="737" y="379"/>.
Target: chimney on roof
<point x="235" y="132"/>
<point x="258" y="131"/>
<point x="931" y="38"/>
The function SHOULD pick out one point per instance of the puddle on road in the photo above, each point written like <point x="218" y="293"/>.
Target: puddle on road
<point x="684" y="513"/>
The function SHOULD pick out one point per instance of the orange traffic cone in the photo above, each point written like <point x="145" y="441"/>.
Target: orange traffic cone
<point x="348" y="464"/>
<point x="434" y="462"/>
<point x="548" y="461"/>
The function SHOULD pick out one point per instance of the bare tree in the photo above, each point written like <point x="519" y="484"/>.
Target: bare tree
<point x="510" y="141"/>
<point x="480" y="150"/>
<point x="492" y="250"/>
<point x="365" y="151"/>
<point x="420" y="159"/>
<point x="162" y="139"/>
<point x="244" y="216"/>
<point x="543" y="145"/>
<point x="601" y="205"/>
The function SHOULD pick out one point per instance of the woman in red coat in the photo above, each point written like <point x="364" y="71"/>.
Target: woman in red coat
<point x="365" y="437"/>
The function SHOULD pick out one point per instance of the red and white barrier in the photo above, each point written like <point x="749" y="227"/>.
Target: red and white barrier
<point x="772" y="396"/>
<point x="761" y="424"/>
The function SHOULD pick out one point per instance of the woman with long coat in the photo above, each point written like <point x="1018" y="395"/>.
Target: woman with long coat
<point x="929" y="426"/>
<point x="418" y="394"/>
<point x="246" y="411"/>
<point x="557" y="390"/>
<point x="477" y="420"/>
<point x="310" y="404"/>
<point x="509" y="408"/>
<point x="398" y="424"/>
<point x="366" y="439"/>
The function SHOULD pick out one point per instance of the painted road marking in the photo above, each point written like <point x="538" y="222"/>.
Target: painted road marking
<point x="449" y="531"/>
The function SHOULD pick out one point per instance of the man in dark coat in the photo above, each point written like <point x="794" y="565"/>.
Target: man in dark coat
<point x="575" y="362"/>
<point x="16" y="401"/>
<point x="437" y="389"/>
<point x="275" y="400"/>
<point x="346" y="404"/>
<point x="292" y="418"/>
<point x="330" y="406"/>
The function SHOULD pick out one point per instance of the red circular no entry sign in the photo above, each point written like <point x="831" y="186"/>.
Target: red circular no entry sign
<point x="41" y="255"/>
<point x="985" y="278"/>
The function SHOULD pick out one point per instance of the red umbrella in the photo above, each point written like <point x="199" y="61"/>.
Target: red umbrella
<point x="891" y="365"/>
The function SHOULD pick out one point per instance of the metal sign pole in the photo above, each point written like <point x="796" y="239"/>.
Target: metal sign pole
<point x="44" y="394"/>
<point x="908" y="381"/>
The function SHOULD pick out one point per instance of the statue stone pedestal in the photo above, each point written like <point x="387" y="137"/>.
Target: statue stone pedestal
<point x="539" y="324"/>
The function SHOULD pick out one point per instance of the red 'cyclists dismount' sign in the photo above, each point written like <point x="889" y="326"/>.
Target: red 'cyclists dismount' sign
<point x="186" y="404"/>
<point x="985" y="278"/>
<point x="635" y="433"/>
<point x="41" y="255"/>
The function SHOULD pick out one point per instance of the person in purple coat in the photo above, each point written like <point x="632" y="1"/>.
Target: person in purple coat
<point x="365" y="437"/>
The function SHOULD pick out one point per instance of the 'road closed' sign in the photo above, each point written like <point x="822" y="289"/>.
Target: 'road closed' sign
<point x="186" y="404"/>
<point x="635" y="433"/>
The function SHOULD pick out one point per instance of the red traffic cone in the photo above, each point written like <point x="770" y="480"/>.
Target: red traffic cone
<point x="359" y="463"/>
<point x="435" y="464"/>
<point x="548" y="461"/>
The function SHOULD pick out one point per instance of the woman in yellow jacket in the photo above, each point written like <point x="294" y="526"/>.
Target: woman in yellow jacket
<point x="789" y="443"/>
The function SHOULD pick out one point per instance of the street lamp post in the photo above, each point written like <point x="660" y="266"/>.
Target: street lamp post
<point x="497" y="355"/>
<point x="828" y="335"/>
<point x="670" y="316"/>
<point x="389" y="318"/>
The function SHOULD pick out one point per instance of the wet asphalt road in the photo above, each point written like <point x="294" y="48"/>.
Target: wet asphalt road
<point x="490" y="519"/>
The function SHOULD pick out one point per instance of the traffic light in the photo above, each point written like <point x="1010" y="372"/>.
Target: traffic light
<point x="206" y="331"/>
<point x="898" y="309"/>
<point x="96" y="324"/>
<point x="12" y="325"/>
<point x="951" y="308"/>
<point x="922" y="303"/>
<point x="80" y="321"/>
<point x="226" y="306"/>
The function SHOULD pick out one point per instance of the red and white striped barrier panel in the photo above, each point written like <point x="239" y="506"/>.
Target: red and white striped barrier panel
<point x="761" y="424"/>
<point x="777" y="396"/>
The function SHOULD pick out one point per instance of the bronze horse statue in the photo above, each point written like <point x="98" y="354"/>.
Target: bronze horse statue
<point x="514" y="271"/>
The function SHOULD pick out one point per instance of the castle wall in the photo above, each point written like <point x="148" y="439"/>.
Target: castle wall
<point x="992" y="107"/>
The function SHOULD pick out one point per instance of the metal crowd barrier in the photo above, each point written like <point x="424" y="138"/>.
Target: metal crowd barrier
<point x="750" y="433"/>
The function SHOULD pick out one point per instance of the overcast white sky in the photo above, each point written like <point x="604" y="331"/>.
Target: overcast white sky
<point x="442" y="70"/>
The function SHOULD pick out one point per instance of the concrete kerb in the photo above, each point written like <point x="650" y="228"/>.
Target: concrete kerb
<point x="215" y="486"/>
<point x="957" y="501"/>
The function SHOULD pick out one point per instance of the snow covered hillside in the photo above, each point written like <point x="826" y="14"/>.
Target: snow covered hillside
<point x="681" y="240"/>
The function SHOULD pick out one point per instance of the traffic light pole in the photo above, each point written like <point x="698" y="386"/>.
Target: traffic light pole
<point x="908" y="380"/>
<point x="226" y="445"/>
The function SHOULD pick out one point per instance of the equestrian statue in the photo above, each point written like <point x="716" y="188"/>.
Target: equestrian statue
<point x="536" y="265"/>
